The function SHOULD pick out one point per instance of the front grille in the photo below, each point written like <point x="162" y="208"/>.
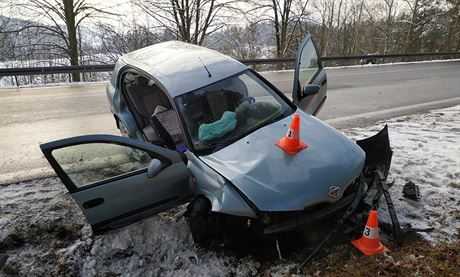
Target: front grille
<point x="350" y="191"/>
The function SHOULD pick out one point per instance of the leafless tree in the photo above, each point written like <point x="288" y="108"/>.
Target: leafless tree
<point x="422" y="12"/>
<point x="5" y="43"/>
<point x="381" y="17"/>
<point x="61" y="19"/>
<point x="116" y="42"/>
<point x="326" y="9"/>
<point x="453" y="26"/>
<point x="241" y="42"/>
<point x="391" y="7"/>
<point x="55" y="32"/>
<point x="285" y="16"/>
<point x="190" y="20"/>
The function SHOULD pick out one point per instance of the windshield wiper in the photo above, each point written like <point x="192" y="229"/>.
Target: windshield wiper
<point x="271" y="120"/>
<point x="216" y="146"/>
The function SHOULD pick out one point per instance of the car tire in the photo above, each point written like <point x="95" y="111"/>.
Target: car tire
<point x="199" y="220"/>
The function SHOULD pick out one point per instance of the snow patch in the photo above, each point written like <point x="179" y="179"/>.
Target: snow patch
<point x="44" y="232"/>
<point x="426" y="151"/>
<point x="159" y="245"/>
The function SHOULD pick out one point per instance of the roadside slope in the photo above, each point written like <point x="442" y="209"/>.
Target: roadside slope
<point x="45" y="233"/>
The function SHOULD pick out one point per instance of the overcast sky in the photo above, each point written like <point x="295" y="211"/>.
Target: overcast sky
<point x="130" y="13"/>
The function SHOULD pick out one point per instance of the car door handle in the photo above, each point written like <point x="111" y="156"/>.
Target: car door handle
<point x="323" y="82"/>
<point x="93" y="203"/>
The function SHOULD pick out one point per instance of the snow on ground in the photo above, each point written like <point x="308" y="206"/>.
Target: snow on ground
<point x="45" y="233"/>
<point x="427" y="152"/>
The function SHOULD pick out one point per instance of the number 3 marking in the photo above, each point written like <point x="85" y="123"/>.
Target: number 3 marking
<point x="367" y="231"/>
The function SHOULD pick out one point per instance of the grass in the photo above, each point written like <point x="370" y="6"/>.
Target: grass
<point x="417" y="257"/>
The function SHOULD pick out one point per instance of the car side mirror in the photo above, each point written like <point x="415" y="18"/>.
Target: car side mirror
<point x="309" y="90"/>
<point x="155" y="167"/>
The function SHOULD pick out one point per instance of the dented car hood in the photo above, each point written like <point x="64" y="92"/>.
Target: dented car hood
<point x="276" y="181"/>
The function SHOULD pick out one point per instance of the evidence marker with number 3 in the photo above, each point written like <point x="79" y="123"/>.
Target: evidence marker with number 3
<point x="369" y="243"/>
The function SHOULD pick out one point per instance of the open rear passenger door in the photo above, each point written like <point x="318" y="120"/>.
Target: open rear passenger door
<point x="117" y="180"/>
<point x="310" y="80"/>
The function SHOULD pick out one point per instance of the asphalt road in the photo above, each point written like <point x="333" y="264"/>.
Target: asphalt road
<point x="357" y="96"/>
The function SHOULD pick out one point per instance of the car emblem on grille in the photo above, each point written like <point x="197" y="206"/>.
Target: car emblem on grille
<point x="334" y="192"/>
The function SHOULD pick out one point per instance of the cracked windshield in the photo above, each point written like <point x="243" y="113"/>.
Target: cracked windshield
<point x="86" y="164"/>
<point x="228" y="110"/>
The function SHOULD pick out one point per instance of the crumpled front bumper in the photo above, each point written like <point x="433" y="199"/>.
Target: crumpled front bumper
<point x="363" y="189"/>
<point x="294" y="219"/>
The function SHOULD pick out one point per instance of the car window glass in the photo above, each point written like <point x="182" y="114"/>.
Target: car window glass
<point x="86" y="164"/>
<point x="308" y="63"/>
<point x="148" y="99"/>
<point x="228" y="110"/>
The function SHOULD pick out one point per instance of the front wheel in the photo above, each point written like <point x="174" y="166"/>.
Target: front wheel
<point x="199" y="219"/>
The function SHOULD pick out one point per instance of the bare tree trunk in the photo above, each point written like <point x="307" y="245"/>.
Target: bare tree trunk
<point x="357" y="28"/>
<point x="409" y="45"/>
<point x="389" y="25"/>
<point x="453" y="28"/>
<point x="276" y="24"/>
<point x="189" y="20"/>
<point x="72" y="36"/>
<point x="338" y="28"/>
<point x="323" y="7"/>
<point x="329" y="30"/>
<point x="323" y="36"/>
<point x="58" y="36"/>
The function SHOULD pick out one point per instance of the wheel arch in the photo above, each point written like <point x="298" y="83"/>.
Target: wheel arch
<point x="219" y="191"/>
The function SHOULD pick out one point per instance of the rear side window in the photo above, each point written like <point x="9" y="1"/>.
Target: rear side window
<point x="89" y="163"/>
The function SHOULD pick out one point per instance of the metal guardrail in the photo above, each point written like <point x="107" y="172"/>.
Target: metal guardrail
<point x="55" y="69"/>
<point x="359" y="57"/>
<point x="386" y="56"/>
<point x="109" y="67"/>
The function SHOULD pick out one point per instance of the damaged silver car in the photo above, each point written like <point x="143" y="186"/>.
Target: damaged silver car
<point x="201" y="128"/>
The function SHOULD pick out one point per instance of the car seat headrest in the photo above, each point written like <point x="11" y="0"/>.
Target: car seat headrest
<point x="142" y="82"/>
<point x="159" y="109"/>
<point x="236" y="85"/>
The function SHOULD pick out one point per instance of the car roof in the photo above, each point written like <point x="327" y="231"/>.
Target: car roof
<point x="179" y="66"/>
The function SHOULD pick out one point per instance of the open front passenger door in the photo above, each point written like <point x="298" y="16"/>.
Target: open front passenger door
<point x="116" y="180"/>
<point x="310" y="80"/>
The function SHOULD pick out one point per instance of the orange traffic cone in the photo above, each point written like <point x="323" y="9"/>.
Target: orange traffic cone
<point x="369" y="243"/>
<point x="291" y="143"/>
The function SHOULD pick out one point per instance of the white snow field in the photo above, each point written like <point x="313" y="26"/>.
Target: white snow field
<point x="426" y="151"/>
<point x="45" y="233"/>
